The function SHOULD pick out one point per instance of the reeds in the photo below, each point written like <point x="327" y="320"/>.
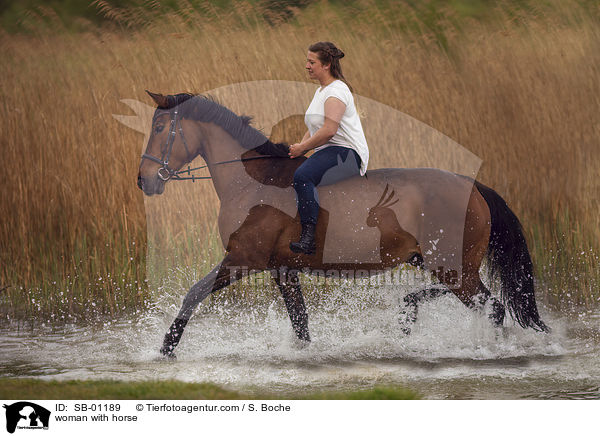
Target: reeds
<point x="521" y="91"/>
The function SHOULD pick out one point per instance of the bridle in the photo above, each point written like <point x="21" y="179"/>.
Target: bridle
<point x="165" y="173"/>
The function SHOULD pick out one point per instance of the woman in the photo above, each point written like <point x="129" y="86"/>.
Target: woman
<point x="335" y="131"/>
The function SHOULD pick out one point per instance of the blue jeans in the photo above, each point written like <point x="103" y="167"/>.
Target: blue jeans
<point x="325" y="167"/>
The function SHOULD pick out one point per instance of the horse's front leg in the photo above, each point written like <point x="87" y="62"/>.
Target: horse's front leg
<point x="289" y="286"/>
<point x="221" y="276"/>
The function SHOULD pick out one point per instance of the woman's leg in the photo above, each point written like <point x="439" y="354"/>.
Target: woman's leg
<point x="325" y="167"/>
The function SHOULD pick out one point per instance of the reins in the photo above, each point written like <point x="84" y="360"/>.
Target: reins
<point x="193" y="178"/>
<point x="165" y="173"/>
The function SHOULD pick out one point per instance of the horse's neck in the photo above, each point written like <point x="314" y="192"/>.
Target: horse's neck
<point x="228" y="178"/>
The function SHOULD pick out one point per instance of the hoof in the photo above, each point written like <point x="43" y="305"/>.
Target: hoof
<point x="300" y="344"/>
<point x="405" y="330"/>
<point x="172" y="338"/>
<point x="168" y="352"/>
<point x="408" y="314"/>
<point x="498" y="313"/>
<point x="406" y="322"/>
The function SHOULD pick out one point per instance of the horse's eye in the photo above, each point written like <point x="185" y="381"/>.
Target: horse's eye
<point x="159" y="128"/>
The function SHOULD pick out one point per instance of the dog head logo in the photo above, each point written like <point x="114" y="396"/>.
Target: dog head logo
<point x="26" y="415"/>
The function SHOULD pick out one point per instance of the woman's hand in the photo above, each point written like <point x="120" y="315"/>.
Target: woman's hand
<point x="334" y="110"/>
<point x="296" y="150"/>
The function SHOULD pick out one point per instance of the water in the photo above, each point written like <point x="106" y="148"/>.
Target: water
<point x="453" y="353"/>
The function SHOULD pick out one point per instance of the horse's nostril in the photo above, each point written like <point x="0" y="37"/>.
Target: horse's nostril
<point x="140" y="182"/>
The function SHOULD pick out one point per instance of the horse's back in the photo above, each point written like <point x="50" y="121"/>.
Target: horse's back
<point x="427" y="203"/>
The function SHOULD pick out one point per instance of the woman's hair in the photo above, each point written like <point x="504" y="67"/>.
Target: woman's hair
<point x="330" y="55"/>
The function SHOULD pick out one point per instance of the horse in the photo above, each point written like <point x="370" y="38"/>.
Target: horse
<point x="258" y="218"/>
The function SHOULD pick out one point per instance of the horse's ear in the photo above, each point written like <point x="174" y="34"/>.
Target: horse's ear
<point x="161" y="100"/>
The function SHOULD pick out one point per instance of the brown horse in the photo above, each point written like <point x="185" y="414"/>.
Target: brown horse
<point x="432" y="219"/>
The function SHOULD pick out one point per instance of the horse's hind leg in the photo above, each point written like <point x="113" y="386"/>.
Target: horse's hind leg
<point x="289" y="285"/>
<point x="472" y="292"/>
<point x="221" y="276"/>
<point x="475" y="295"/>
<point x="497" y="308"/>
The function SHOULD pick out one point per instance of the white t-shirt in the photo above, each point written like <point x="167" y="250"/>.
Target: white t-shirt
<point x="350" y="132"/>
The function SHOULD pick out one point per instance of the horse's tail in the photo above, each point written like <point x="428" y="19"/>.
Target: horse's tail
<point x="509" y="258"/>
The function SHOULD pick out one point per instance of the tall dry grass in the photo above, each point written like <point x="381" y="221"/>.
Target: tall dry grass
<point x="523" y="94"/>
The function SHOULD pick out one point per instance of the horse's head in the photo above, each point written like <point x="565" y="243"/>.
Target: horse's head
<point x="168" y="148"/>
<point x="381" y="211"/>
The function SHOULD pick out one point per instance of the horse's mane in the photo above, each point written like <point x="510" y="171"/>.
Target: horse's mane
<point x="205" y="108"/>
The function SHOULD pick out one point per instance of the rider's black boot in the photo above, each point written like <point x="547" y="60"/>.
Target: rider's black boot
<point x="306" y="244"/>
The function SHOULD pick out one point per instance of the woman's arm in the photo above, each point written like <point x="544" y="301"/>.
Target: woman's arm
<point x="334" y="110"/>
<point x="306" y="136"/>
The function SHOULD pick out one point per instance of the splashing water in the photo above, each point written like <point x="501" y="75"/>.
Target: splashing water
<point x="453" y="352"/>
